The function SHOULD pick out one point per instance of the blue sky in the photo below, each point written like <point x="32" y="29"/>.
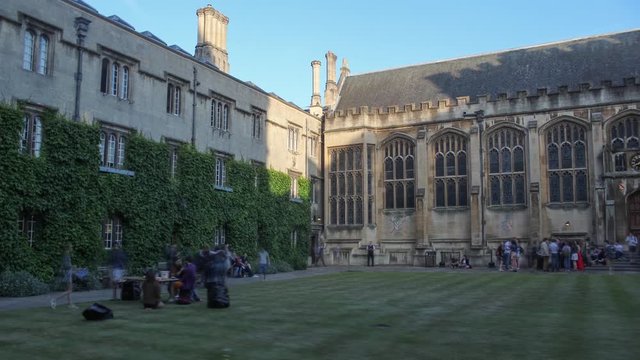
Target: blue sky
<point x="272" y="42"/>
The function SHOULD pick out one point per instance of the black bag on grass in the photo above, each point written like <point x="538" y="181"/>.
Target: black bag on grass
<point x="217" y="296"/>
<point x="131" y="290"/>
<point x="97" y="312"/>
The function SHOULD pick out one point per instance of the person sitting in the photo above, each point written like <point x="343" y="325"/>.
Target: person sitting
<point x="464" y="263"/>
<point x="185" y="286"/>
<point x="619" y="250"/>
<point x="151" y="291"/>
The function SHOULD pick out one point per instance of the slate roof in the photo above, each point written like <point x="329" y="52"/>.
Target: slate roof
<point x="611" y="57"/>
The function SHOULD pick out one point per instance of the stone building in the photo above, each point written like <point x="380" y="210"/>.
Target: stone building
<point x="98" y="69"/>
<point x="457" y="156"/>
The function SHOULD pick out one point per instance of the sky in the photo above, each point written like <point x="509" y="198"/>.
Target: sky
<point x="272" y="42"/>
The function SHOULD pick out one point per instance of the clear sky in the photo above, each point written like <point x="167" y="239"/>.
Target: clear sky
<point x="272" y="42"/>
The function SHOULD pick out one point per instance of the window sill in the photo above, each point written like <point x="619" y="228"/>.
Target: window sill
<point x="403" y="211"/>
<point x="111" y="170"/>
<point x="296" y="200"/>
<point x="451" y="209"/>
<point x="345" y="227"/>
<point x="567" y="205"/>
<point x="506" y="207"/>
<point x="223" y="188"/>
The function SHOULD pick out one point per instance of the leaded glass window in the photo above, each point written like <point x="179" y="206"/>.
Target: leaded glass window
<point x="399" y="174"/>
<point x="506" y="166"/>
<point x="624" y="138"/>
<point x="450" y="180"/>
<point x="346" y="185"/>
<point x="567" y="165"/>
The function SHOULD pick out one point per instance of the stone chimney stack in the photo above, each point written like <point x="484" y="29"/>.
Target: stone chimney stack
<point x="331" y="89"/>
<point x="212" y="37"/>
<point x="344" y="72"/>
<point x="316" y="102"/>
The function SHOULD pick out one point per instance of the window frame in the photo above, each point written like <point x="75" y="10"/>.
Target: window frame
<point x="31" y="134"/>
<point x="399" y="185"/>
<point x="115" y="76"/>
<point x="293" y="139"/>
<point x="220" y="235"/>
<point x="174" y="98"/>
<point x="457" y="145"/>
<point x="220" y="114"/>
<point x="112" y="147"/>
<point x="556" y="135"/>
<point x="112" y="229"/>
<point x="506" y="142"/>
<point x="28" y="225"/>
<point x="39" y="60"/>
<point x="221" y="180"/>
<point x="346" y="198"/>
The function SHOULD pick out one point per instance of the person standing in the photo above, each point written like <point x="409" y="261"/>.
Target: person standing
<point x="506" y="257"/>
<point x="67" y="278"/>
<point x="544" y="254"/>
<point x="117" y="262"/>
<point x="370" y="253"/>
<point x="554" y="250"/>
<point x="264" y="262"/>
<point x="632" y="242"/>
<point x="320" y="253"/>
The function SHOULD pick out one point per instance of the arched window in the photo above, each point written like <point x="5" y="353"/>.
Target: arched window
<point x="225" y="117"/>
<point x="114" y="79"/>
<point x="450" y="179"/>
<point x="346" y="185"/>
<point x="121" y="150"/>
<point x="111" y="151"/>
<point x="506" y="167"/>
<point x="43" y="55"/>
<point x="103" y="139"/>
<point x="567" y="165"/>
<point x="399" y="174"/>
<point x="104" y="76"/>
<point x="124" y="83"/>
<point x="624" y="138"/>
<point x="29" y="50"/>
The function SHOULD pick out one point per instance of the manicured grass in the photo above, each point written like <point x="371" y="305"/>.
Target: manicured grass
<point x="357" y="315"/>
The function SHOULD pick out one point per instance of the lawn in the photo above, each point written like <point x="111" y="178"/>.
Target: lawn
<point x="357" y="315"/>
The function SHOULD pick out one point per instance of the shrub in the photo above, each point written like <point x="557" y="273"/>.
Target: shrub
<point x="21" y="283"/>
<point x="280" y="266"/>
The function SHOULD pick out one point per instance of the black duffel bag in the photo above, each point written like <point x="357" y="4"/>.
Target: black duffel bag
<point x="217" y="296"/>
<point x="97" y="312"/>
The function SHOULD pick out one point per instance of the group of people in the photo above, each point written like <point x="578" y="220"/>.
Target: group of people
<point x="213" y="266"/>
<point x="508" y="255"/>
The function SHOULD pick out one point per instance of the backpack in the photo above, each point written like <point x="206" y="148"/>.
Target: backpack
<point x="97" y="312"/>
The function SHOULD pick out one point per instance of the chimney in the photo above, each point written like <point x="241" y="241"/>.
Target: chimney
<point x="344" y="73"/>
<point x="331" y="89"/>
<point x="212" y="38"/>
<point x="316" y="105"/>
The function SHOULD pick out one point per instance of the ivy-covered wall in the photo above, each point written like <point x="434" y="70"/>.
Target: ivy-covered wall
<point x="71" y="197"/>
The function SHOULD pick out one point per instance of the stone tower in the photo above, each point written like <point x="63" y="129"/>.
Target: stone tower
<point x="316" y="105"/>
<point x="212" y="37"/>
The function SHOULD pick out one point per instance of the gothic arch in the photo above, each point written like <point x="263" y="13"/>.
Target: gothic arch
<point x="395" y="136"/>
<point x="444" y="131"/>
<point x="613" y="119"/>
<point x="543" y="129"/>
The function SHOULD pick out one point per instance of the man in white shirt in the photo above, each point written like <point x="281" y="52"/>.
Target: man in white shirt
<point x="632" y="242"/>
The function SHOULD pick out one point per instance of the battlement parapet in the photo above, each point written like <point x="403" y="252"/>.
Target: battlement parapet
<point x="583" y="94"/>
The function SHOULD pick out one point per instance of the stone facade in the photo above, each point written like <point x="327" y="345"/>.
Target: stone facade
<point x="131" y="80"/>
<point x="524" y="144"/>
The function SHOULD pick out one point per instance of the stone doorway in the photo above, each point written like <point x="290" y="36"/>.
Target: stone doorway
<point x="633" y="212"/>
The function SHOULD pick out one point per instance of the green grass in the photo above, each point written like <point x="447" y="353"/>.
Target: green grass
<point x="357" y="315"/>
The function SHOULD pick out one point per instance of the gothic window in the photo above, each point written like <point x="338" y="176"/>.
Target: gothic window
<point x="112" y="232"/>
<point x="370" y="189"/>
<point x="112" y="147"/>
<point x="220" y="115"/>
<point x="567" y="165"/>
<point x="506" y="150"/>
<point x="36" y="52"/>
<point x="450" y="179"/>
<point x="31" y="135"/>
<point x="257" y="125"/>
<point x="174" y="98"/>
<point x="294" y="134"/>
<point x="28" y="225"/>
<point x="345" y="185"/>
<point x="114" y="79"/>
<point x="399" y="174"/>
<point x="624" y="138"/>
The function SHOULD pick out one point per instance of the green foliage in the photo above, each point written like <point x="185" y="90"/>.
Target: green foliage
<point x="21" y="283"/>
<point x="71" y="197"/>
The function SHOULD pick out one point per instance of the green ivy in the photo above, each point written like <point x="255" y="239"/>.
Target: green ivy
<point x="72" y="198"/>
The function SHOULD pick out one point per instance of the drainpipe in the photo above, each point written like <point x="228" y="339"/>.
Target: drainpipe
<point x="193" y="110"/>
<point x="82" y="26"/>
